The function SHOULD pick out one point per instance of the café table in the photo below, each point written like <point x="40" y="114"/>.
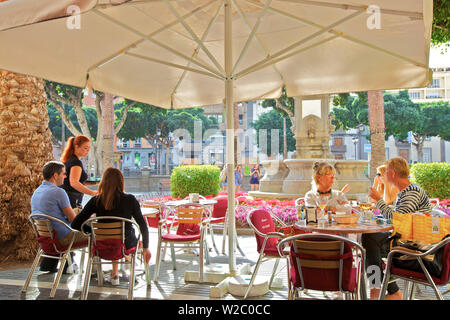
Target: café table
<point x="205" y="202"/>
<point x="149" y="212"/>
<point x="344" y="229"/>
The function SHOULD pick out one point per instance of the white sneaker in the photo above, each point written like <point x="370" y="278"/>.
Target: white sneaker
<point x="115" y="280"/>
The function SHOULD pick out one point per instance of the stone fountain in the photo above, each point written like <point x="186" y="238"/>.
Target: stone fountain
<point x="291" y="178"/>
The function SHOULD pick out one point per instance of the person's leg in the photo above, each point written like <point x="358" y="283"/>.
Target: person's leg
<point x="375" y="245"/>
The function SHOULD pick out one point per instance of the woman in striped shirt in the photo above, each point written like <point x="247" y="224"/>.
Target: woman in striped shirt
<point x="411" y="198"/>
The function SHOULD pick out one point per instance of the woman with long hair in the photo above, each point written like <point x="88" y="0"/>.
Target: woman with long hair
<point x="77" y="148"/>
<point x="113" y="201"/>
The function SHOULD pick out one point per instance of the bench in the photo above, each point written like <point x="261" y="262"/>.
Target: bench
<point x="164" y="184"/>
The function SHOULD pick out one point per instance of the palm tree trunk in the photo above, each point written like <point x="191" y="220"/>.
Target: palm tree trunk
<point x="377" y="132"/>
<point x="25" y="146"/>
<point x="108" y="131"/>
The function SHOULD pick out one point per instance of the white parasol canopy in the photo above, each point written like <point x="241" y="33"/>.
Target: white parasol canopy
<point x="170" y="53"/>
<point x="180" y="53"/>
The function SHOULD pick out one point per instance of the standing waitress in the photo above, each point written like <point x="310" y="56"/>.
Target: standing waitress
<point x="77" y="148"/>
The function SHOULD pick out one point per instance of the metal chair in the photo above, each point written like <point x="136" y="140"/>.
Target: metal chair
<point x="262" y="223"/>
<point x="107" y="242"/>
<point x="152" y="220"/>
<point x="51" y="248"/>
<point x="415" y="277"/>
<point x="219" y="220"/>
<point x="324" y="262"/>
<point x="193" y="220"/>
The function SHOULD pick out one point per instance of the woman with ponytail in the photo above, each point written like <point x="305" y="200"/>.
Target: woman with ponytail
<point x="77" y="148"/>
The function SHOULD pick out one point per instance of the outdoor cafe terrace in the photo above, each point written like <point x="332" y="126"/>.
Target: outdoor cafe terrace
<point x="171" y="284"/>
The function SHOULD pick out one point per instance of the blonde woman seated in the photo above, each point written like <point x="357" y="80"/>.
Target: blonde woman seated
<point x="380" y="184"/>
<point x="323" y="180"/>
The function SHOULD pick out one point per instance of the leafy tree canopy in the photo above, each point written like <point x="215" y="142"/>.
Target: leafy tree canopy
<point x="273" y="120"/>
<point x="441" y="23"/>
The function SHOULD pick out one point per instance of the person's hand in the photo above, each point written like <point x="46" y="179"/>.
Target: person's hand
<point x="374" y="194"/>
<point x="146" y="255"/>
<point x="93" y="193"/>
<point x="345" y="188"/>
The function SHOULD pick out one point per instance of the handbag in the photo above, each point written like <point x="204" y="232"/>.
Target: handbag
<point x="432" y="262"/>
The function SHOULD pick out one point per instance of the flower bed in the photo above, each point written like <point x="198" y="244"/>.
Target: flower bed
<point x="285" y="210"/>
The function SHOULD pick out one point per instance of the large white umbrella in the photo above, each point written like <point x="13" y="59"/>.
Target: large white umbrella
<point x="182" y="53"/>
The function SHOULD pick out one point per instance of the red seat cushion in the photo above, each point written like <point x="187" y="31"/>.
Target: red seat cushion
<point x="220" y="208"/>
<point x="47" y="245"/>
<point x="180" y="238"/>
<point x="152" y="222"/>
<point x="188" y="229"/>
<point x="414" y="274"/>
<point x="111" y="249"/>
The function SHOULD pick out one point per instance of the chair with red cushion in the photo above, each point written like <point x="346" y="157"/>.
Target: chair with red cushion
<point x="415" y="277"/>
<point x="267" y="238"/>
<point x="51" y="248"/>
<point x="107" y="242"/>
<point x="193" y="220"/>
<point x="324" y="262"/>
<point x="219" y="221"/>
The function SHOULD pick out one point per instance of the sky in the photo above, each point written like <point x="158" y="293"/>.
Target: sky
<point x="439" y="60"/>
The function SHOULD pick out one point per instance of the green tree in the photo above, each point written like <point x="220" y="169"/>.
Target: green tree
<point x="273" y="120"/>
<point x="66" y="99"/>
<point x="157" y="124"/>
<point x="285" y="106"/>
<point x="401" y="116"/>
<point x="441" y="22"/>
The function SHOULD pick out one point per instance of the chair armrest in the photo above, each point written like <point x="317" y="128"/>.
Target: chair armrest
<point x="275" y="234"/>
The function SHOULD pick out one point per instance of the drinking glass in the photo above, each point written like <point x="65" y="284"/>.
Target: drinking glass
<point x="365" y="205"/>
<point x="322" y="203"/>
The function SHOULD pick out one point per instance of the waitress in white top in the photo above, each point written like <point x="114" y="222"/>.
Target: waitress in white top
<point x="321" y="193"/>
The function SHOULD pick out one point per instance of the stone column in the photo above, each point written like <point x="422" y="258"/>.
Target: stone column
<point x="312" y="133"/>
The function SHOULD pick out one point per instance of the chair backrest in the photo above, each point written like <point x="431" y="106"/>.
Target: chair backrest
<point x="190" y="217"/>
<point x="262" y="223"/>
<point x="220" y="208"/>
<point x="108" y="236"/>
<point x="45" y="233"/>
<point x="324" y="262"/>
<point x="152" y="221"/>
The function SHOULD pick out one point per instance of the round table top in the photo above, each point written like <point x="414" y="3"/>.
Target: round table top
<point x="343" y="228"/>
<point x="149" y="211"/>
<point x="205" y="202"/>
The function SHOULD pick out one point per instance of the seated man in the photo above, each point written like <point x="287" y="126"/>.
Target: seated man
<point x="411" y="198"/>
<point x="49" y="199"/>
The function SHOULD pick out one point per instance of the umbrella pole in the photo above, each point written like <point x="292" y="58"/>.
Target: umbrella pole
<point x="230" y="138"/>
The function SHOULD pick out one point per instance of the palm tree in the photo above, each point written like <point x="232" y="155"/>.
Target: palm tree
<point x="25" y="146"/>
<point x="377" y="132"/>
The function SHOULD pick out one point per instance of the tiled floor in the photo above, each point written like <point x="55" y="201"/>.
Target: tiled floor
<point x="171" y="283"/>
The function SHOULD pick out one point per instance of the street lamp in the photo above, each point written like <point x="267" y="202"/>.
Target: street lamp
<point x="355" y="140"/>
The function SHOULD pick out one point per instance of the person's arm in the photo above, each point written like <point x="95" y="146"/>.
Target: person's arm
<point x="74" y="180"/>
<point x="85" y="214"/>
<point x="310" y="199"/>
<point x="70" y="214"/>
<point x="137" y="215"/>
